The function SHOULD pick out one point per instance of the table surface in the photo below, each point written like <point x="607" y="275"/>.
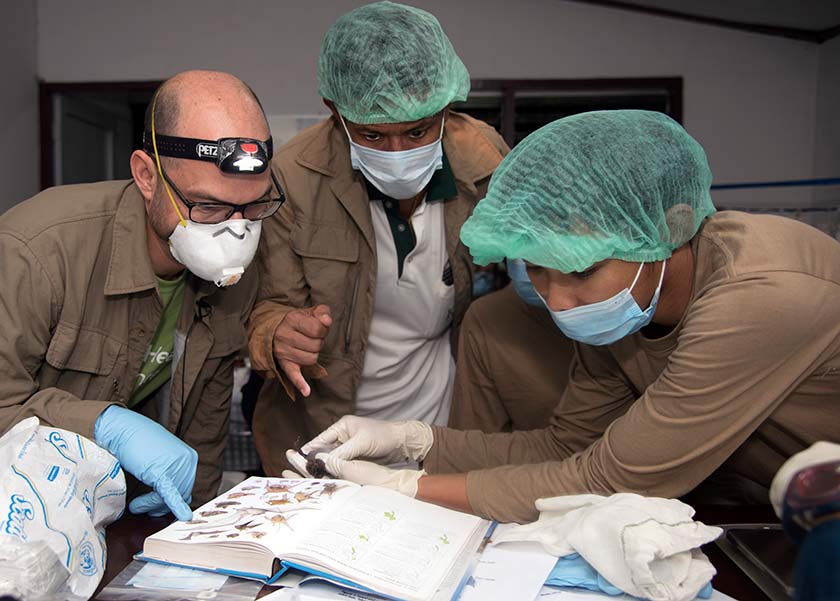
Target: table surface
<point x="125" y="538"/>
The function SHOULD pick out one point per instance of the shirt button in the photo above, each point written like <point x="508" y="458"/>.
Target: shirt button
<point x="388" y="204"/>
<point x="401" y="228"/>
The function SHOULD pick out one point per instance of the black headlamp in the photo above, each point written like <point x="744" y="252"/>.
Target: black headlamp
<point x="232" y="155"/>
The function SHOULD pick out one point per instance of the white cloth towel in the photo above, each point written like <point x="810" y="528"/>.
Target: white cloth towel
<point x="648" y="547"/>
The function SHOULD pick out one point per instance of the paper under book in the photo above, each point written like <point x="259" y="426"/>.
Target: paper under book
<point x="364" y="537"/>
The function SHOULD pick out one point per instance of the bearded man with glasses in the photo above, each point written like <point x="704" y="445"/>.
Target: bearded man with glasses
<point x="124" y="304"/>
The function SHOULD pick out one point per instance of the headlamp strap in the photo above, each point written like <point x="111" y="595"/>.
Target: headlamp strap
<point x="233" y="155"/>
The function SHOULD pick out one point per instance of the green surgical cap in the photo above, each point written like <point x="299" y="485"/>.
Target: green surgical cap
<point x="389" y="63"/>
<point x="630" y="185"/>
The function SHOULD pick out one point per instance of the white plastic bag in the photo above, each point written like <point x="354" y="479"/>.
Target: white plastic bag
<point x="60" y="488"/>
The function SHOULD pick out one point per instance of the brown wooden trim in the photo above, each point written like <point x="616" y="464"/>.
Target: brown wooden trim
<point x="101" y="86"/>
<point x="816" y="36"/>
<point x="603" y="83"/>
<point x="673" y="86"/>
<point x="46" y="91"/>
<point x="45" y="124"/>
<point x="827" y="34"/>
<point x="508" y="121"/>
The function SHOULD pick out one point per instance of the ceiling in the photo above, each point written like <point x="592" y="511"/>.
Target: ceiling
<point x="806" y="15"/>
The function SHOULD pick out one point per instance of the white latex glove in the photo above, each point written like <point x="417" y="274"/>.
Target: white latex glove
<point x="354" y="437"/>
<point x="819" y="452"/>
<point x="367" y="473"/>
<point x="361" y="472"/>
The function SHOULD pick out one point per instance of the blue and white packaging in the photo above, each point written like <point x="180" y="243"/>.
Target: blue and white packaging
<point x="60" y="488"/>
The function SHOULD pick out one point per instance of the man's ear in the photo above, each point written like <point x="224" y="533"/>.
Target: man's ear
<point x="144" y="172"/>
<point x="331" y="105"/>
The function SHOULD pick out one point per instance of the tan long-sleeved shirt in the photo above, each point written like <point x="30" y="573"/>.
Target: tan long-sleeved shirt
<point x="749" y="376"/>
<point x="79" y="308"/>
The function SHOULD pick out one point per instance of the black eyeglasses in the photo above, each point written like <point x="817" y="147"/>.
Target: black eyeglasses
<point x="216" y="212"/>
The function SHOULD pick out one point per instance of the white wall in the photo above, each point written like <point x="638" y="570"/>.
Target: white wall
<point x="827" y="138"/>
<point x="19" y="159"/>
<point x="749" y="99"/>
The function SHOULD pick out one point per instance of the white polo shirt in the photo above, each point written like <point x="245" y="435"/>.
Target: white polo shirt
<point x="409" y="371"/>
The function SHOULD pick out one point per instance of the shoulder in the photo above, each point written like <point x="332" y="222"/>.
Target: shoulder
<point x="472" y="130"/>
<point x="742" y="245"/>
<point x="315" y="145"/>
<point x="62" y="209"/>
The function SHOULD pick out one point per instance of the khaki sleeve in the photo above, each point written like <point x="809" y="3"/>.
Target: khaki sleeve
<point x="282" y="289"/>
<point x="475" y="397"/>
<point x="30" y="304"/>
<point x="595" y="396"/>
<point x="745" y="346"/>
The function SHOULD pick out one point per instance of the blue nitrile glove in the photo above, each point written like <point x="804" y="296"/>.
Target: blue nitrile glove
<point x="575" y="572"/>
<point x="152" y="455"/>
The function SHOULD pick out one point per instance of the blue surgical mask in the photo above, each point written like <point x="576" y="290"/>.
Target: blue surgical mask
<point x="483" y="282"/>
<point x="518" y="273"/>
<point x="610" y="320"/>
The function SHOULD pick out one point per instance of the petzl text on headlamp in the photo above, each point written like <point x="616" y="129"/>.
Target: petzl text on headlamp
<point x="232" y="155"/>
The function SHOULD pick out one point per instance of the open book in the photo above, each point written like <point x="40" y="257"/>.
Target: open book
<point x="368" y="538"/>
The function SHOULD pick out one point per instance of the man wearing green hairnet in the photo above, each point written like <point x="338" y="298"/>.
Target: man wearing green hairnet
<point x="706" y="343"/>
<point x="364" y="280"/>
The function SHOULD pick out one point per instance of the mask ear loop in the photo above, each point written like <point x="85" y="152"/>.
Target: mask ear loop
<point x="661" y="277"/>
<point x="181" y="219"/>
<point x="440" y="139"/>
<point x="636" y="279"/>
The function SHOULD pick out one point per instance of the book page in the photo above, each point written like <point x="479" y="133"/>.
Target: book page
<point x="387" y="541"/>
<point x="271" y="512"/>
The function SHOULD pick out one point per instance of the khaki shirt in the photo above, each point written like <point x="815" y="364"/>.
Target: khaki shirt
<point x="513" y="365"/>
<point x="320" y="249"/>
<point x="79" y="307"/>
<point x="750" y="376"/>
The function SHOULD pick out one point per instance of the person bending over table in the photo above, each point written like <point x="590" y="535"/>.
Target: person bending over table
<point x="703" y="339"/>
<point x="121" y="305"/>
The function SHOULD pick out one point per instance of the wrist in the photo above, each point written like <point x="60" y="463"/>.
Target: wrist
<point x="407" y="481"/>
<point x="101" y="432"/>
<point x="418" y="440"/>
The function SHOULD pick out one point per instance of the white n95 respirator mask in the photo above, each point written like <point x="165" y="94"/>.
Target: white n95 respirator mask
<point x="217" y="252"/>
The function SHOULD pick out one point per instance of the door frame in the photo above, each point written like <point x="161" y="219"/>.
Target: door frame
<point x="46" y="92"/>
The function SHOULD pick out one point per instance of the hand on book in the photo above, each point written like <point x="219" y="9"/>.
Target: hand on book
<point x="354" y="437"/>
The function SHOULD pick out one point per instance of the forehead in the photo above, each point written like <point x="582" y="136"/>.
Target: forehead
<point x="608" y="264"/>
<point x="210" y="119"/>
<point x="201" y="177"/>
<point x="394" y="128"/>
